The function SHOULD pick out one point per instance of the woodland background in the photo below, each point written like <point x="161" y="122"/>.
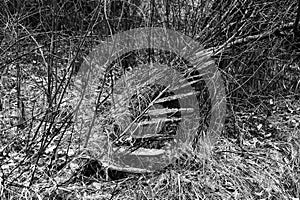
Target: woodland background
<point x="256" y="45"/>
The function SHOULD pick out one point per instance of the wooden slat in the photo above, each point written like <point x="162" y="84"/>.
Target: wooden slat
<point x="140" y="151"/>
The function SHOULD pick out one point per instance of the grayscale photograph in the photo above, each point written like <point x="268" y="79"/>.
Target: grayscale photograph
<point x="149" y="100"/>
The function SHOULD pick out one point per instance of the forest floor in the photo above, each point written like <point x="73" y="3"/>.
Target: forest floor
<point x="256" y="157"/>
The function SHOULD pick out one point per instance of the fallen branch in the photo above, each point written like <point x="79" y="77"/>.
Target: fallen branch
<point x="229" y="43"/>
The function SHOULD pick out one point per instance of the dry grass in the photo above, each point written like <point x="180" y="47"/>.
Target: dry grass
<point x="261" y="170"/>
